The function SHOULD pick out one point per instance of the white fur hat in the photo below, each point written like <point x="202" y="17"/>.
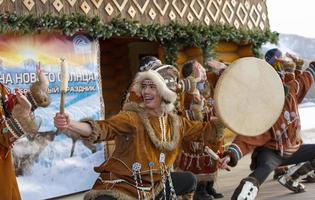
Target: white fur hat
<point x="168" y="95"/>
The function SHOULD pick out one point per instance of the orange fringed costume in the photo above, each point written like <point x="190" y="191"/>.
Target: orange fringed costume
<point x="9" y="188"/>
<point x="139" y="139"/>
<point x="193" y="158"/>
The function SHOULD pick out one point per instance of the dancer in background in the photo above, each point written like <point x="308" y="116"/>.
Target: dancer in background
<point x="198" y="106"/>
<point x="281" y="144"/>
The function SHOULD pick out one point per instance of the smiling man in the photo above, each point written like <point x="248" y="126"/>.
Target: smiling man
<point x="148" y="136"/>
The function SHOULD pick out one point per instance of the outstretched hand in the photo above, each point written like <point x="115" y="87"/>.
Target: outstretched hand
<point x="41" y="77"/>
<point x="61" y="121"/>
<point x="38" y="68"/>
<point x="223" y="163"/>
<point x="23" y="101"/>
<point x="216" y="64"/>
<point x="292" y="56"/>
<point x="288" y="65"/>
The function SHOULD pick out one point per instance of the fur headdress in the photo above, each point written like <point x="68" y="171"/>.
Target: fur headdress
<point x="169" y="97"/>
<point x="170" y="75"/>
<point x="147" y="62"/>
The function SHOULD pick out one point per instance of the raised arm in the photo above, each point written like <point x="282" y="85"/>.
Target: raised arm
<point x="301" y="84"/>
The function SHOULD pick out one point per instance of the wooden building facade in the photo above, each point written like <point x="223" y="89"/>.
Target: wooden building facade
<point x="173" y="30"/>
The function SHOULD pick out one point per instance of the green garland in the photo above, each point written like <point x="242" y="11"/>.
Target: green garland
<point x="172" y="36"/>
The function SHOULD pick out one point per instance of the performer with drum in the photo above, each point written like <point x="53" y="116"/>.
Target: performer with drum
<point x="149" y="135"/>
<point x="281" y="170"/>
<point x="281" y="144"/>
<point x="198" y="105"/>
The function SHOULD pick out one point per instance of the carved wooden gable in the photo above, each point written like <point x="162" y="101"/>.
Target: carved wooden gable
<point x="238" y="13"/>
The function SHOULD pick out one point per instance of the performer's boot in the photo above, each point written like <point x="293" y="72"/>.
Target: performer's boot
<point x="279" y="171"/>
<point x="292" y="179"/>
<point x="246" y="190"/>
<point x="201" y="192"/>
<point x="189" y="196"/>
<point x="211" y="191"/>
<point x="310" y="178"/>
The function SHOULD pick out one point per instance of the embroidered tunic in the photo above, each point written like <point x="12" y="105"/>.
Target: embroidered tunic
<point x="9" y="188"/>
<point x="139" y="138"/>
<point x="193" y="158"/>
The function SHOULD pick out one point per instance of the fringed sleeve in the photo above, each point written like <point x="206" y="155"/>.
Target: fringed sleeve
<point x="104" y="130"/>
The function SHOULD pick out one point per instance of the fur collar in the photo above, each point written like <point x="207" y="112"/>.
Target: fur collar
<point x="31" y="99"/>
<point x="174" y="123"/>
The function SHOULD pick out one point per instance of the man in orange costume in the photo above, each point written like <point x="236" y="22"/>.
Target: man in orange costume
<point x="198" y="105"/>
<point x="149" y="135"/>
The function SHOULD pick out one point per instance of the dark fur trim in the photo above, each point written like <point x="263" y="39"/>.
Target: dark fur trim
<point x="14" y="127"/>
<point x="96" y="131"/>
<point x="31" y="99"/>
<point x="233" y="158"/>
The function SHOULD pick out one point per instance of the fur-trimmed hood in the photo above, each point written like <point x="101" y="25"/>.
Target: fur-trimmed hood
<point x="168" y="95"/>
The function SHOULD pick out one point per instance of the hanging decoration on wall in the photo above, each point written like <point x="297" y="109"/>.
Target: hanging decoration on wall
<point x="172" y="36"/>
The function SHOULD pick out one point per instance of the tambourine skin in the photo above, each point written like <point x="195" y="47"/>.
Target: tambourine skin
<point x="249" y="96"/>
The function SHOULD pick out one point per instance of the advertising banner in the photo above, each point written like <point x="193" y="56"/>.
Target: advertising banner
<point x="52" y="164"/>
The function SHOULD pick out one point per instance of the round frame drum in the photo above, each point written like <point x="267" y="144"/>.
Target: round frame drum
<point x="249" y="96"/>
